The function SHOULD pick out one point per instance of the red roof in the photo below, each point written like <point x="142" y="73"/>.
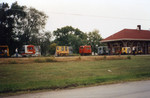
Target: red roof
<point x="129" y="34"/>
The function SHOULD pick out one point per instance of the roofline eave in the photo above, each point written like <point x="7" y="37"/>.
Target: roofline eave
<point x="105" y="41"/>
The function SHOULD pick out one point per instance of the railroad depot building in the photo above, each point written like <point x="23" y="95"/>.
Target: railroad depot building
<point x="138" y="38"/>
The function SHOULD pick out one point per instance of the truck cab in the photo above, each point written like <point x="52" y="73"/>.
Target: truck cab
<point x="4" y="51"/>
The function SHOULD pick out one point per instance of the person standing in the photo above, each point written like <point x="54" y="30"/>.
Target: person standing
<point x="133" y="50"/>
<point x="5" y="52"/>
<point x="16" y="52"/>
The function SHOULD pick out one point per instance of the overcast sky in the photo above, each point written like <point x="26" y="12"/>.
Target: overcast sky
<point x="108" y="16"/>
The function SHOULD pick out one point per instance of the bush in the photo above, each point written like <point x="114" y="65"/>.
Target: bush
<point x="104" y="57"/>
<point x="39" y="61"/>
<point x="79" y="57"/>
<point x="50" y="60"/>
<point x="12" y="62"/>
<point x="129" y="57"/>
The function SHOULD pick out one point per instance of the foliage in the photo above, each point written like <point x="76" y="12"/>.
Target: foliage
<point x="94" y="40"/>
<point x="39" y="60"/>
<point x="31" y="26"/>
<point x="20" y="25"/>
<point x="129" y="57"/>
<point x="50" y="60"/>
<point x="52" y="48"/>
<point x="9" y="17"/>
<point x="105" y="57"/>
<point x="44" y="42"/>
<point x="70" y="36"/>
<point x="13" y="62"/>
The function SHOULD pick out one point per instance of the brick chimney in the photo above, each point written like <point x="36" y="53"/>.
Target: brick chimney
<point x="138" y="27"/>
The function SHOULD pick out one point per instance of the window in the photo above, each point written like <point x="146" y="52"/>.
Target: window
<point x="30" y="48"/>
<point x="88" y="48"/>
<point x="65" y="48"/>
<point x="81" y="47"/>
<point x="62" y="48"/>
<point x="57" y="48"/>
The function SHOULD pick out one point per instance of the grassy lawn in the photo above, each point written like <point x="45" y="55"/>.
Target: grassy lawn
<point x="59" y="75"/>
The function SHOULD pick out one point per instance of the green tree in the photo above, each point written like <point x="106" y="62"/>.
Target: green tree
<point x="52" y="48"/>
<point x="94" y="40"/>
<point x="9" y="17"/>
<point x="4" y="30"/>
<point x="31" y="26"/>
<point x="70" y="36"/>
<point x="20" y="25"/>
<point x="44" y="42"/>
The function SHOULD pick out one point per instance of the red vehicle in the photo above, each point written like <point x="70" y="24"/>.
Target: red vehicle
<point x="85" y="50"/>
<point x="28" y="50"/>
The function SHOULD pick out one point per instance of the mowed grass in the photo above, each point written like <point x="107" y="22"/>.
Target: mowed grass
<point x="59" y="75"/>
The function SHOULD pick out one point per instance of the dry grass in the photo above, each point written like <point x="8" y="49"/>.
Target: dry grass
<point x="17" y="60"/>
<point x="90" y="58"/>
<point x="57" y="59"/>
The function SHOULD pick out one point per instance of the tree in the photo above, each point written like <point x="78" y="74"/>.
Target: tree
<point x="70" y="36"/>
<point x="3" y="22"/>
<point x="94" y="40"/>
<point x="8" y="17"/>
<point x="31" y="26"/>
<point x="52" y="48"/>
<point x="75" y="42"/>
<point x="20" y="25"/>
<point x="44" y="42"/>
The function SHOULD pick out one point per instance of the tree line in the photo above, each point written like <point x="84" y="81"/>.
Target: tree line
<point x="20" y="25"/>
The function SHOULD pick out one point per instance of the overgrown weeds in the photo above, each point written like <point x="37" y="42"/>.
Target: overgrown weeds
<point x="50" y="60"/>
<point x="39" y="60"/>
<point x="129" y="57"/>
<point x="12" y="62"/>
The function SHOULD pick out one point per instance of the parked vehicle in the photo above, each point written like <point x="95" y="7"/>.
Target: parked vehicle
<point x="138" y="50"/>
<point x="85" y="50"/>
<point x="70" y="50"/>
<point x="4" y="51"/>
<point x="27" y="50"/>
<point x="103" y="50"/>
<point x="37" y="51"/>
<point x="62" y="50"/>
<point x="126" y="50"/>
<point x="116" y="50"/>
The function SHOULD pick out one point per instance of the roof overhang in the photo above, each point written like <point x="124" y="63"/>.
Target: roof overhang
<point x="124" y="39"/>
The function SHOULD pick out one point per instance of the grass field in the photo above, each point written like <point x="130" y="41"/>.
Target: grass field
<point x="59" y="75"/>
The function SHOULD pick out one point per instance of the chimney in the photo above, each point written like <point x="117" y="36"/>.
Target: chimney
<point x="138" y="27"/>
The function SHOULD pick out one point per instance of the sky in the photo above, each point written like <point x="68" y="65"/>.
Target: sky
<point x="107" y="16"/>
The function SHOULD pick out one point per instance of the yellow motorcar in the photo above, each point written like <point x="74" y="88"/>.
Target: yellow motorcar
<point x="126" y="50"/>
<point x="4" y="51"/>
<point x="62" y="50"/>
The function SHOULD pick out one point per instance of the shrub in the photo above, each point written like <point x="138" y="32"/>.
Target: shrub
<point x="12" y="62"/>
<point x="79" y="57"/>
<point x="50" y="60"/>
<point x="129" y="57"/>
<point x="39" y="61"/>
<point x="104" y="57"/>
